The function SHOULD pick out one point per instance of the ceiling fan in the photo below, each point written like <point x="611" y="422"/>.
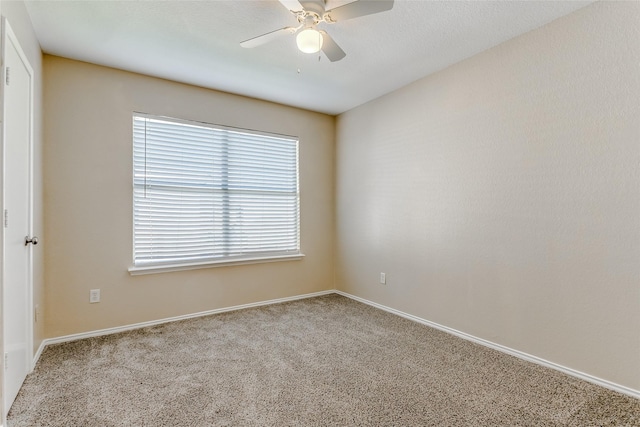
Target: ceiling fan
<point x="309" y="14"/>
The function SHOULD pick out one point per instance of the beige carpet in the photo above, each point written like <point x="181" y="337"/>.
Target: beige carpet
<point x="326" y="361"/>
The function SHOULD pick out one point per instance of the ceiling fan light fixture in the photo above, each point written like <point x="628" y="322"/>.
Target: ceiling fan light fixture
<point x="309" y="40"/>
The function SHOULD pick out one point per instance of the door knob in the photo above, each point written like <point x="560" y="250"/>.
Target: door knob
<point x="28" y="240"/>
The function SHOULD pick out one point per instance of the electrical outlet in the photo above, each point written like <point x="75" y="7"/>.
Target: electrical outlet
<point x="36" y="313"/>
<point x="94" y="296"/>
<point x="383" y="279"/>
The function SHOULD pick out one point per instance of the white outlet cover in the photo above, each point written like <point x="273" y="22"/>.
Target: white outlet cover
<point x="94" y="295"/>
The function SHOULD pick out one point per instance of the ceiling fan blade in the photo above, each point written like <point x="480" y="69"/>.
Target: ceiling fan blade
<point x="331" y="48"/>
<point x="266" y="38"/>
<point x="359" y="8"/>
<point x="292" y="5"/>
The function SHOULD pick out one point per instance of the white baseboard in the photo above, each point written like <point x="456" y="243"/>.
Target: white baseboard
<point x="38" y="354"/>
<point x="118" y="329"/>
<point x="519" y="354"/>
<point x="530" y="358"/>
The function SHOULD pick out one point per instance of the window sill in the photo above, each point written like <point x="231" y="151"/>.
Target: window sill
<point x="166" y="268"/>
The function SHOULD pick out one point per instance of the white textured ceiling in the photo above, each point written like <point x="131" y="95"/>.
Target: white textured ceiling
<point x="197" y="42"/>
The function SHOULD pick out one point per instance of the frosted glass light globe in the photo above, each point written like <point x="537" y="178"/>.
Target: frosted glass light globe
<point x="309" y="40"/>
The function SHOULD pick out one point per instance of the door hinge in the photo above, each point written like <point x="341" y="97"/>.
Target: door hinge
<point x="6" y="361"/>
<point x="6" y="218"/>
<point x="6" y="75"/>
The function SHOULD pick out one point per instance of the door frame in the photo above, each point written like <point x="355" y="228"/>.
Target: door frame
<point x="7" y="35"/>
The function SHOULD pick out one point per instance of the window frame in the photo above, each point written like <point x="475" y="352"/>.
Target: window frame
<point x="217" y="261"/>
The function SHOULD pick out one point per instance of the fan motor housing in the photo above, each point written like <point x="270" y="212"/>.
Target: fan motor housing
<point x="315" y="7"/>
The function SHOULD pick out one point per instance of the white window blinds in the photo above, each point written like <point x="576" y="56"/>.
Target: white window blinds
<point x="204" y="192"/>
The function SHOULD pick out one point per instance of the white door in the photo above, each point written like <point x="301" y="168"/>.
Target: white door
<point x="17" y="220"/>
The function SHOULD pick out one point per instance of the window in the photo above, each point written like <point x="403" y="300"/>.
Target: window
<point x="205" y="193"/>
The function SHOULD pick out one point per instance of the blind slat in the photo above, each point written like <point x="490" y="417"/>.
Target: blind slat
<point x="202" y="192"/>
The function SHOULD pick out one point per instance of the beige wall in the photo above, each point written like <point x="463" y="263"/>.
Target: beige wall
<point x="17" y="16"/>
<point x="88" y="190"/>
<point x="500" y="196"/>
